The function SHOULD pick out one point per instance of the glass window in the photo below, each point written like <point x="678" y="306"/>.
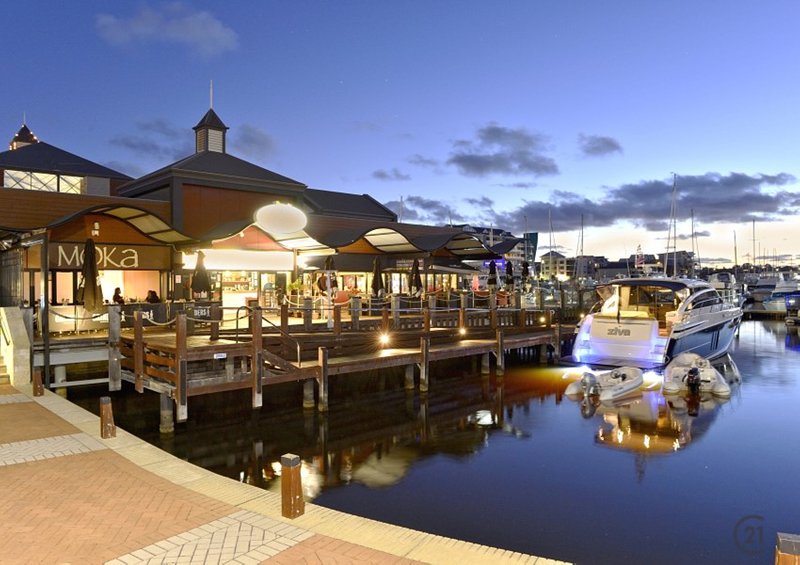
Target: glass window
<point x="47" y="182"/>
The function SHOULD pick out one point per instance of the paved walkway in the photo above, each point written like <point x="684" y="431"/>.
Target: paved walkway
<point x="69" y="496"/>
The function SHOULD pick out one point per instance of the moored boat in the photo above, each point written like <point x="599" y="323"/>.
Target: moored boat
<point x="647" y="321"/>
<point x="609" y="386"/>
<point x="693" y="373"/>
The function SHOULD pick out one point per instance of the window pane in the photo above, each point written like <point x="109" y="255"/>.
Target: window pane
<point x="44" y="181"/>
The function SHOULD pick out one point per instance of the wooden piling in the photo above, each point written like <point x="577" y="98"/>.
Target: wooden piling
<point x="322" y="378"/>
<point x="256" y="358"/>
<point x="138" y="350"/>
<point x="107" y="427"/>
<point x="424" y="366"/>
<point x="337" y="319"/>
<point x="167" y="423"/>
<point x="114" y="355"/>
<point x="216" y="317"/>
<point x="38" y="387"/>
<point x="308" y="313"/>
<point x="355" y="312"/>
<point x="181" y="367"/>
<point x="500" y="355"/>
<point x="385" y="324"/>
<point x="308" y="394"/>
<point x="409" y="377"/>
<point x="292" y="502"/>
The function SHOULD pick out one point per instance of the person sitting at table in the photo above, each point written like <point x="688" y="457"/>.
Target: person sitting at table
<point x="152" y="297"/>
<point x="117" y="298"/>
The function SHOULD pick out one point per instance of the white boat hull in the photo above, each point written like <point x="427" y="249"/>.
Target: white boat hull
<point x="676" y="376"/>
<point x="609" y="386"/>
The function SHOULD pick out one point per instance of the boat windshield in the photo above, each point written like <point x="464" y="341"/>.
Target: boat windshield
<point x="641" y="300"/>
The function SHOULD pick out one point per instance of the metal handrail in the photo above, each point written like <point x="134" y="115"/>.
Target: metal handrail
<point x="271" y="323"/>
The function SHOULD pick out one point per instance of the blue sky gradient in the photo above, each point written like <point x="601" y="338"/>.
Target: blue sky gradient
<point x="472" y="112"/>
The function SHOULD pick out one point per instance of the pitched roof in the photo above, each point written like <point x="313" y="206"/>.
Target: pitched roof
<point x="45" y="158"/>
<point x="211" y="164"/>
<point x="333" y="203"/>
<point x="210" y="120"/>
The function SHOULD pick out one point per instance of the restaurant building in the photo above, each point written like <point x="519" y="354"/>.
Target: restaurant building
<point x="149" y="231"/>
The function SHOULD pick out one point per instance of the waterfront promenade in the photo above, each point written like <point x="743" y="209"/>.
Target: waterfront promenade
<point x="70" y="496"/>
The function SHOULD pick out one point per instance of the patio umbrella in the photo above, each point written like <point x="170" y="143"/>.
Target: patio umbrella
<point x="416" y="279"/>
<point x="90" y="293"/>
<point x="377" y="277"/>
<point x="509" y="273"/>
<point x="200" y="280"/>
<point x="492" y="280"/>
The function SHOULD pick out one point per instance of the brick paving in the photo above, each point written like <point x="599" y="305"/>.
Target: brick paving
<point x="71" y="497"/>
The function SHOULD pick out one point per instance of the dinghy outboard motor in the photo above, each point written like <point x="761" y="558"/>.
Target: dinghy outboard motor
<point x="693" y="380"/>
<point x="589" y="385"/>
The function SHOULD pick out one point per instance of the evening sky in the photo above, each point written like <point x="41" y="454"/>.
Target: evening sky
<point x="515" y="114"/>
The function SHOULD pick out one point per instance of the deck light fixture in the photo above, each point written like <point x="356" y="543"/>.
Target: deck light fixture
<point x="462" y="331"/>
<point x="280" y="218"/>
<point x="384" y="339"/>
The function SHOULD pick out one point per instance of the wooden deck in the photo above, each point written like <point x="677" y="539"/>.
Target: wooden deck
<point x="168" y="360"/>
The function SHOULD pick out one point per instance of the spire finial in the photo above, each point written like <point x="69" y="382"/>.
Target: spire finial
<point x="24" y="120"/>
<point x="211" y="95"/>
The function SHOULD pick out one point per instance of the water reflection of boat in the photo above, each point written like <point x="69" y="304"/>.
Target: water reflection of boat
<point x="690" y="372"/>
<point x="647" y="321"/>
<point x="655" y="424"/>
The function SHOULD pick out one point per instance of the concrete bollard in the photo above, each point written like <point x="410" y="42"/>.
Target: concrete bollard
<point x="38" y="387"/>
<point x="787" y="549"/>
<point x="292" y="503"/>
<point x="107" y="427"/>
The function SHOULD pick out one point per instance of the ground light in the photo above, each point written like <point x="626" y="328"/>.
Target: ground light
<point x="462" y="331"/>
<point x="384" y="339"/>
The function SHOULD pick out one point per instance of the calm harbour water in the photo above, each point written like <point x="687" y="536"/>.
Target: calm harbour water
<point x="515" y="464"/>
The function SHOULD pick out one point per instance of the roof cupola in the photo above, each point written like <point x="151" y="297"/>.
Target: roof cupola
<point x="24" y="137"/>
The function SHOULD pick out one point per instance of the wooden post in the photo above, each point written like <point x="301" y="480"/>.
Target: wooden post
<point x="485" y="364"/>
<point x="462" y="311"/>
<point x="395" y="301"/>
<point x="138" y="350"/>
<point x="292" y="502"/>
<point x="501" y="358"/>
<point x="107" y="427"/>
<point x="355" y="312"/>
<point x="167" y="424"/>
<point x="216" y="317"/>
<point x="38" y="387"/>
<point x="337" y="319"/>
<point x="308" y="394"/>
<point x="257" y="357"/>
<point x="409" y="381"/>
<point x="424" y="366"/>
<point x="181" y="367"/>
<point x="385" y="324"/>
<point x="308" y="313"/>
<point x="521" y="316"/>
<point x="284" y="318"/>
<point x="114" y="355"/>
<point x="426" y="320"/>
<point x="322" y="378"/>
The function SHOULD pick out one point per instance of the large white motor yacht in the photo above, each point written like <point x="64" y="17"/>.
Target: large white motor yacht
<point x="646" y="322"/>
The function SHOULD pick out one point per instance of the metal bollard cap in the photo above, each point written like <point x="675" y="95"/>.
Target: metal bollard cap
<point x="290" y="460"/>
<point x="105" y="400"/>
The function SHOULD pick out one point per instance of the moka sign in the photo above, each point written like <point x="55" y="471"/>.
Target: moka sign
<point x="69" y="257"/>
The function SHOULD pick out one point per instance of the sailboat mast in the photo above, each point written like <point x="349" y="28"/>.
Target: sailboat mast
<point x="735" y="254"/>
